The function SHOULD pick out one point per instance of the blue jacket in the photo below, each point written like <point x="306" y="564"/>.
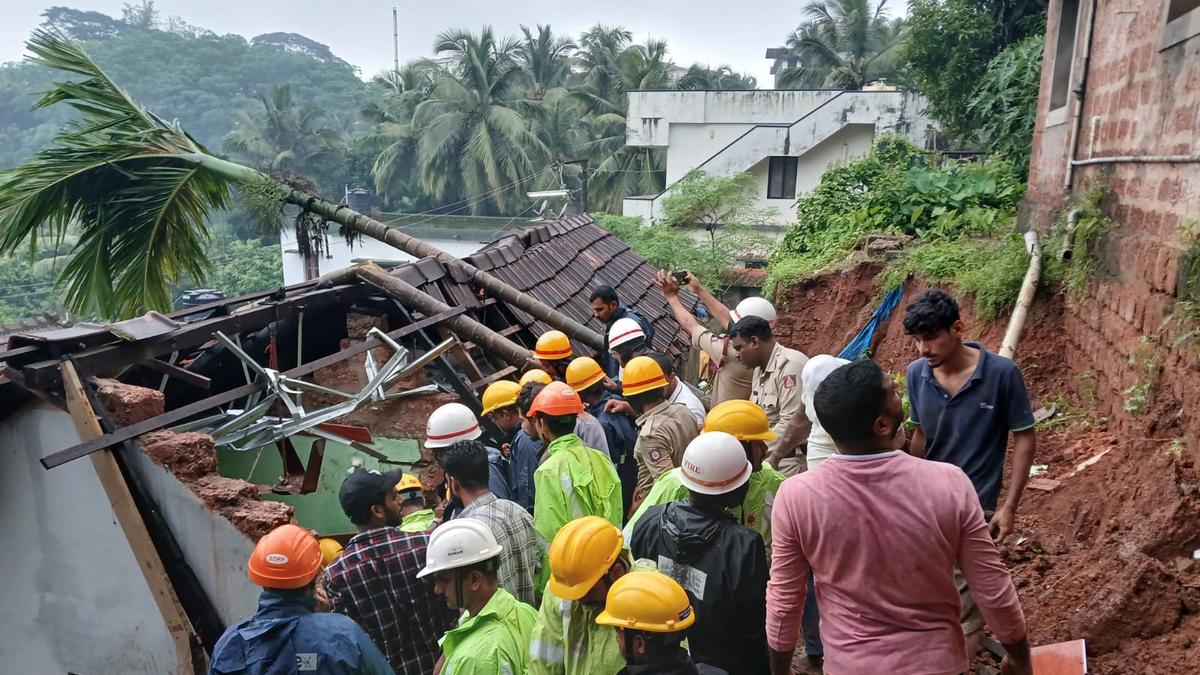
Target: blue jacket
<point x="523" y="456"/>
<point x="610" y="365"/>
<point x="498" y="474"/>
<point x="286" y="637"/>
<point x="619" y="429"/>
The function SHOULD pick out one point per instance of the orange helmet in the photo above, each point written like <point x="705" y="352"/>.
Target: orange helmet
<point x="583" y="373"/>
<point x="286" y="557"/>
<point x="553" y="345"/>
<point x="556" y="399"/>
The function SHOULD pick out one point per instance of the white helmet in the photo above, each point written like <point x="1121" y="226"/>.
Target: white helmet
<point x="449" y="423"/>
<point x="714" y="463"/>
<point x="753" y="306"/>
<point x="624" y="330"/>
<point x="459" y="543"/>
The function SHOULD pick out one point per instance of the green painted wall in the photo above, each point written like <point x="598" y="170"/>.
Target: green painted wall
<point x="319" y="510"/>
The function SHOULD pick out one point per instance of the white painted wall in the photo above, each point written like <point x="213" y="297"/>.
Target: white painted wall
<point x="850" y="142"/>
<point x="74" y="598"/>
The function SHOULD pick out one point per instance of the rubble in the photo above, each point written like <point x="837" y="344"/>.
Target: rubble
<point x="129" y="404"/>
<point x="187" y="455"/>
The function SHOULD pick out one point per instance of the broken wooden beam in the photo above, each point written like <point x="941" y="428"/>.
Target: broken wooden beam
<point x="181" y="374"/>
<point x="179" y="414"/>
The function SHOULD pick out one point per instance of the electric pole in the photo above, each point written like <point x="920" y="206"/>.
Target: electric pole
<point x="395" y="50"/>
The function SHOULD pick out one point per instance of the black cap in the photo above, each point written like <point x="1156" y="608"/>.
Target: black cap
<point x="365" y="488"/>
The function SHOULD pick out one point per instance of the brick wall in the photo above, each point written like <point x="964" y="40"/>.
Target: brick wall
<point x="1141" y="100"/>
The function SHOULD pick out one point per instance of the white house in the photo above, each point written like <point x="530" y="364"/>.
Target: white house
<point x="784" y="138"/>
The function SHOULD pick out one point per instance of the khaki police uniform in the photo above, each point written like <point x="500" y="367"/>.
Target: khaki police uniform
<point x="776" y="388"/>
<point x="664" y="432"/>
<point x="732" y="380"/>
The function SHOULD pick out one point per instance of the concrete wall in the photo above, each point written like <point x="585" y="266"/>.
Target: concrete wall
<point x="1143" y="100"/>
<point x="724" y="132"/>
<point x="74" y="598"/>
<point x="850" y="142"/>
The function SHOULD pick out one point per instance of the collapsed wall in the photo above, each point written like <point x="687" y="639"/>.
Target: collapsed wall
<point x="1102" y="552"/>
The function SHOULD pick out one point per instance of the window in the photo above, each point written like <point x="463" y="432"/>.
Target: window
<point x="781" y="178"/>
<point x="1183" y="21"/>
<point x="1064" y="54"/>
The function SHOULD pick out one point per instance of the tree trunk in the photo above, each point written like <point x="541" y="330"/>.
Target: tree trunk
<point x="463" y="326"/>
<point x="410" y="245"/>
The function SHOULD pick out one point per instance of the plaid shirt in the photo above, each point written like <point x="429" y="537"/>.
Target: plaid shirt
<point x="375" y="583"/>
<point x="513" y="528"/>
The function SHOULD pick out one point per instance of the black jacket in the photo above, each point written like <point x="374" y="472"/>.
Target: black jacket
<point x="723" y="567"/>
<point x="682" y="665"/>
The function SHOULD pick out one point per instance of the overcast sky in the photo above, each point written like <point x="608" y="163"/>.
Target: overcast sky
<point x="360" y="31"/>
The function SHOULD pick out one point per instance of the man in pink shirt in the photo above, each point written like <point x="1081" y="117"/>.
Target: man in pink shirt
<point x="882" y="531"/>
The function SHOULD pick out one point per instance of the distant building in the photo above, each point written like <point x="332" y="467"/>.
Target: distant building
<point x="784" y="138"/>
<point x="782" y="58"/>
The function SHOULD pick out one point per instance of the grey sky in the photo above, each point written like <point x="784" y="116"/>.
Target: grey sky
<point x="360" y="31"/>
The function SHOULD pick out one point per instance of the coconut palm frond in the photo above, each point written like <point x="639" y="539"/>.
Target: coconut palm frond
<point x="129" y="182"/>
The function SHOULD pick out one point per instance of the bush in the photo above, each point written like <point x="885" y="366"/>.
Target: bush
<point x="1005" y="103"/>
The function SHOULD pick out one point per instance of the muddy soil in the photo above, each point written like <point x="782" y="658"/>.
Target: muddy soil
<point x="1107" y="554"/>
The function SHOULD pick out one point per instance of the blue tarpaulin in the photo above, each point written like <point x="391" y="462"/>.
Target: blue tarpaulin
<point x="861" y="342"/>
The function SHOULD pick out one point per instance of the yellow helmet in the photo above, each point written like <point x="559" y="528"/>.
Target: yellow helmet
<point x="741" y="419"/>
<point x="642" y="374"/>
<point x="535" y="375"/>
<point x="553" y="345"/>
<point x="583" y="373"/>
<point x="582" y="551"/>
<point x="409" y="482"/>
<point x="649" y="601"/>
<point x="500" y="394"/>
<point x="330" y="550"/>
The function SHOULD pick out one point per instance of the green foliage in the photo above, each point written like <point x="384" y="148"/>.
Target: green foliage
<point x="670" y="249"/>
<point x="1005" y="103"/>
<point x="989" y="271"/>
<point x="241" y="267"/>
<point x="896" y="189"/>
<point x="844" y="44"/>
<point x="1146" y="361"/>
<point x="721" y="77"/>
<point x="950" y="46"/>
<point x="1091" y="224"/>
<point x="25" y="291"/>
<point x="701" y="200"/>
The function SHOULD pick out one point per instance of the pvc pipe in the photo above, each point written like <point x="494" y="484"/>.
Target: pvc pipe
<point x="1025" y="299"/>
<point x="1139" y="159"/>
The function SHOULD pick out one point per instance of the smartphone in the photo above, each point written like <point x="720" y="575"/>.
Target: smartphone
<point x="681" y="277"/>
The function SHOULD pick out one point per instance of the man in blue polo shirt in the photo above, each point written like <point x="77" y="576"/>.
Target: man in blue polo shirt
<point x="965" y="401"/>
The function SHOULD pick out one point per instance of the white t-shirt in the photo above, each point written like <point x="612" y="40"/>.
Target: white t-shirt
<point x="684" y="395"/>
<point x="820" y="444"/>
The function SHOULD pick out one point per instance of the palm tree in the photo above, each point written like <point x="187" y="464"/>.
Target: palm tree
<point x="722" y="77"/>
<point x="138" y="190"/>
<point x="545" y="59"/>
<point x="473" y="138"/>
<point x="287" y="137"/>
<point x="599" y="48"/>
<point x="394" y="139"/>
<point x="844" y="44"/>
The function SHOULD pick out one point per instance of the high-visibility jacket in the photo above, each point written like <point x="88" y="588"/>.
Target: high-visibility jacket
<point x="492" y="642"/>
<point x="568" y="641"/>
<point x="573" y="482"/>
<point x="418" y="521"/>
<point x="754" y="513"/>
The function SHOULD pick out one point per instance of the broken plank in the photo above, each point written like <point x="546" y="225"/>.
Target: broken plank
<point x="181" y="374"/>
<point x="130" y="520"/>
<point x="498" y="375"/>
<point x="179" y="414"/>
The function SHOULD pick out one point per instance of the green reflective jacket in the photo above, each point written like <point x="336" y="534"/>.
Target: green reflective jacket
<point x="418" y="521"/>
<point x="568" y="641"/>
<point x="754" y="513"/>
<point x="493" y="642"/>
<point x="573" y="482"/>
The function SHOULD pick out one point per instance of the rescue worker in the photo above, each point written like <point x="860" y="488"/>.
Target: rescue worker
<point x="575" y="480"/>
<point x="652" y="613"/>
<point x="720" y="563"/>
<point x="585" y="376"/>
<point x="586" y="557"/>
<point x="285" y="635"/>
<point x="553" y="350"/>
<point x="731" y="379"/>
<point x="495" y="627"/>
<point x="455" y="422"/>
<point x="500" y="405"/>
<point x="776" y="387"/>
<point x="677" y="391"/>
<point x="625" y="340"/>
<point x="535" y="375"/>
<point x="330" y="550"/>
<point x="746" y="422"/>
<point x="607" y="307"/>
<point x="587" y="427"/>
<point x="664" y="428"/>
<point x="417" y="518"/>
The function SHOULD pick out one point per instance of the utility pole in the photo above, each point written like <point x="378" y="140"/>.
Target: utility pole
<point x="395" y="50"/>
<point x="583" y="182"/>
